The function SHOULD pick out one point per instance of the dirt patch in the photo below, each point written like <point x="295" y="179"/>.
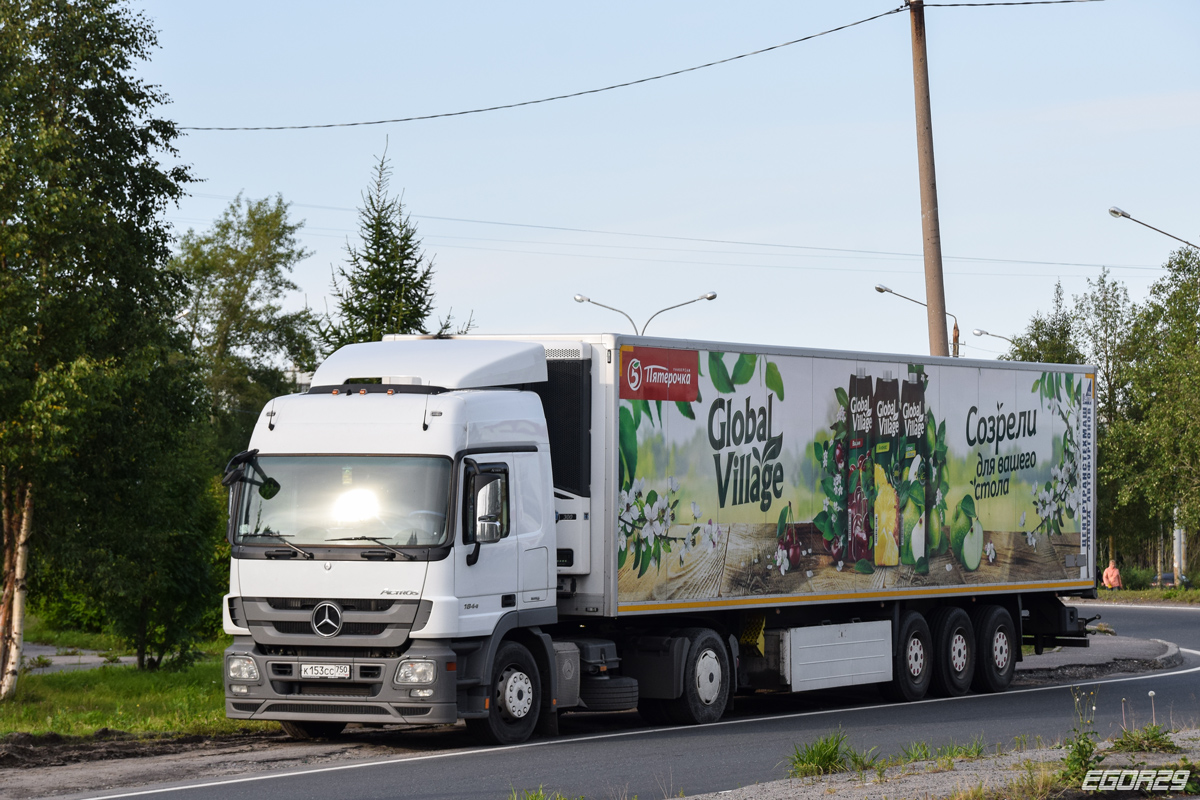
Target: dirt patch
<point x="1079" y="673"/>
<point x="23" y="750"/>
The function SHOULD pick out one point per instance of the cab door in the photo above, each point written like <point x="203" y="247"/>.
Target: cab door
<point x="534" y="523"/>
<point x="486" y="555"/>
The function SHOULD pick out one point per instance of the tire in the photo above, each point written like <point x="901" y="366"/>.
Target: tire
<point x="515" y="700"/>
<point x="996" y="659"/>
<point x="614" y="693"/>
<point x="654" y="711"/>
<point x="912" y="665"/>
<point x="953" y="652"/>
<point x="706" y="679"/>
<point x="312" y="730"/>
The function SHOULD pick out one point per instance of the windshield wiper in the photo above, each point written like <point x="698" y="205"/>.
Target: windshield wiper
<point x="377" y="540"/>
<point x="283" y="538"/>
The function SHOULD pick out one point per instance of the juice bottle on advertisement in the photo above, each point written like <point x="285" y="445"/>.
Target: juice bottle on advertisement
<point x="861" y="422"/>
<point x="885" y="452"/>
<point x="914" y="466"/>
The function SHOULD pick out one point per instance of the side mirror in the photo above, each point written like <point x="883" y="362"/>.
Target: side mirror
<point x="485" y="505"/>
<point x="269" y="488"/>
<point x="488" y="526"/>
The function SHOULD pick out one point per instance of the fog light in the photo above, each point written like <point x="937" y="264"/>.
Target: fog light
<point x="239" y="688"/>
<point x="242" y="668"/>
<point x="416" y="672"/>
<point x="421" y="692"/>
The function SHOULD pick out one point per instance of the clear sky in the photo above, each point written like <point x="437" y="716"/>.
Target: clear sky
<point x="1044" y="116"/>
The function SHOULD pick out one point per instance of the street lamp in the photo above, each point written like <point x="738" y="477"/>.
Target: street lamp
<point x="1179" y="540"/>
<point x="579" y="298"/>
<point x="1118" y="213"/>
<point x="879" y="287"/>
<point x="982" y="332"/>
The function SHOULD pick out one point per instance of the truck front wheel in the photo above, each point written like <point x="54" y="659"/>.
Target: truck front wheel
<point x="515" y="698"/>
<point x="706" y="679"/>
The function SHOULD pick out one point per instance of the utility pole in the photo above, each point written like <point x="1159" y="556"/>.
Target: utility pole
<point x="935" y="291"/>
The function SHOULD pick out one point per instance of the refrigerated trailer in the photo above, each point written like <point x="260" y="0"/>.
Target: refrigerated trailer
<point x="502" y="529"/>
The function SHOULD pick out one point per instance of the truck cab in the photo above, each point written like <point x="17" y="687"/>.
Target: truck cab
<point x="384" y="528"/>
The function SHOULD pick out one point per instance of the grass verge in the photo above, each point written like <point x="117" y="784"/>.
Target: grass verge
<point x="38" y="632"/>
<point x="188" y="702"/>
<point x="1167" y="594"/>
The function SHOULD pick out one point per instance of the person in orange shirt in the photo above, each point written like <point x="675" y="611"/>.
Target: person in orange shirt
<point x="1112" y="576"/>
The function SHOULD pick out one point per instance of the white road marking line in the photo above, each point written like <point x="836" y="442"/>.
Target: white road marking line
<point x="1097" y="604"/>
<point x="621" y="734"/>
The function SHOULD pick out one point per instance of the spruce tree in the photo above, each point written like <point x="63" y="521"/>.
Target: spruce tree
<point x="387" y="284"/>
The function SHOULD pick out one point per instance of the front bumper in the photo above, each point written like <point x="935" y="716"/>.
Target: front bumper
<point x="369" y="695"/>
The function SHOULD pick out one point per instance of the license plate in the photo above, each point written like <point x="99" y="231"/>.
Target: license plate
<point x="324" y="670"/>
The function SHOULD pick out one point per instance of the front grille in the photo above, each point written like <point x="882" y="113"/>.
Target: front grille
<point x="348" y="629"/>
<point x="246" y="706"/>
<point x="319" y="708"/>
<point x="337" y="689"/>
<point x="331" y="652"/>
<point x="309" y="603"/>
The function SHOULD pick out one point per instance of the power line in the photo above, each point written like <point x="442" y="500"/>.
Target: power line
<point x="737" y="242"/>
<point x="547" y="99"/>
<point x="1023" y="3"/>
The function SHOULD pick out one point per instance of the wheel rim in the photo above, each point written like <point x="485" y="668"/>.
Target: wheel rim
<point x="708" y="677"/>
<point x="958" y="652"/>
<point x="916" y="656"/>
<point x="515" y="693"/>
<point x="1000" y="652"/>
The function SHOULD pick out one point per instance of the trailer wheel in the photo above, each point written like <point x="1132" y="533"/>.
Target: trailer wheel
<point x="706" y="679"/>
<point x="912" y="666"/>
<point x="515" y="699"/>
<point x="996" y="638"/>
<point x="954" y="652"/>
<point x="312" y="730"/>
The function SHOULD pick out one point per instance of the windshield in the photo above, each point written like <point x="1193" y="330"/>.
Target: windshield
<point x="352" y="501"/>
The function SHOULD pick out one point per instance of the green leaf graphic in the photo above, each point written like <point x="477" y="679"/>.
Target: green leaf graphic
<point x="628" y="445"/>
<point x="685" y="409"/>
<point x="967" y="504"/>
<point x="720" y="375"/>
<point x="774" y="379"/>
<point x="782" y="525"/>
<point x="621" y="555"/>
<point x="645" y="407"/>
<point x="773" y="446"/>
<point x="864" y="567"/>
<point x="842" y="398"/>
<point x="743" y="370"/>
<point x="922" y="566"/>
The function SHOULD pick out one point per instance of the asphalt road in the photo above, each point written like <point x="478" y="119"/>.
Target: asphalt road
<point x="616" y="756"/>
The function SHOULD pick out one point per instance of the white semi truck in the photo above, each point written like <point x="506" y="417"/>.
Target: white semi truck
<point x="499" y="529"/>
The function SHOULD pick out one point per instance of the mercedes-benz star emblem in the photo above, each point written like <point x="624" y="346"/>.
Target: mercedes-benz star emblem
<point x="327" y="619"/>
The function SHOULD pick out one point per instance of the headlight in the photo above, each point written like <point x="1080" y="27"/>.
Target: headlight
<point x="416" y="672"/>
<point x="242" y="668"/>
